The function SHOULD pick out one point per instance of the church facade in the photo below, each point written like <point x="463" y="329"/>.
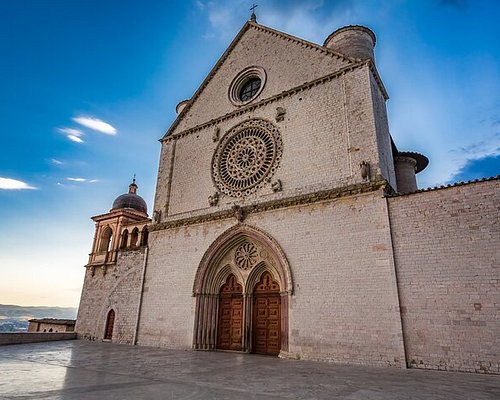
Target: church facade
<point x="287" y="222"/>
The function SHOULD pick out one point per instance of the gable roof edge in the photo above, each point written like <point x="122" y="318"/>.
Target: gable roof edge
<point x="237" y="38"/>
<point x="207" y="79"/>
<point x="305" y="42"/>
<point x="378" y="79"/>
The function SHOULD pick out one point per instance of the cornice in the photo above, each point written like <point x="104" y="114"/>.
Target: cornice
<point x="118" y="213"/>
<point x="253" y="106"/>
<point x="303" y="199"/>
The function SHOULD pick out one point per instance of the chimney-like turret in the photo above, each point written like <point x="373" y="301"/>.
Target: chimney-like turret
<point x="407" y="165"/>
<point x="354" y="41"/>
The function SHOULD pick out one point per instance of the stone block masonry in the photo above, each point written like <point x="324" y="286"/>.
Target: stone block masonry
<point x="116" y="287"/>
<point x="447" y="252"/>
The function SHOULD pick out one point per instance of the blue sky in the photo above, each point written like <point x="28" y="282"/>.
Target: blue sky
<point x="88" y="88"/>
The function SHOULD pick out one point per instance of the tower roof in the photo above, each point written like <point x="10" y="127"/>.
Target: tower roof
<point x="131" y="200"/>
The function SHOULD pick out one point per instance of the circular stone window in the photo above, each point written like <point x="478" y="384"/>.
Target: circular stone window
<point x="246" y="157"/>
<point x="247" y="85"/>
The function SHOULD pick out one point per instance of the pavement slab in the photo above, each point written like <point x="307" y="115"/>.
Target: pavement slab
<point x="85" y="370"/>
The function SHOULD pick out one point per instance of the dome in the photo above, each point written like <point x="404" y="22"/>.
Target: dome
<point x="131" y="200"/>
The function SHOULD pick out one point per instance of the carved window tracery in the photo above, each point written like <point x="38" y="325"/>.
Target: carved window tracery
<point x="246" y="255"/>
<point x="246" y="157"/>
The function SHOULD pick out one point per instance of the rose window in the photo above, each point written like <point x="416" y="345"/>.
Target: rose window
<point x="245" y="157"/>
<point x="245" y="255"/>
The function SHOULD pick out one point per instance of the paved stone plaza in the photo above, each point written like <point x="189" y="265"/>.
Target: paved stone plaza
<point x="91" y="370"/>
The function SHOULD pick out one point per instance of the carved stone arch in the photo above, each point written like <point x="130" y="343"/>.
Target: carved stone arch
<point x="218" y="262"/>
<point x="227" y="241"/>
<point x="216" y="280"/>
<point x="256" y="273"/>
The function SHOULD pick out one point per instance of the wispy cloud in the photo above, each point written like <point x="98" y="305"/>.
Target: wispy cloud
<point x="75" y="139"/>
<point x="310" y="19"/>
<point x="72" y="134"/>
<point x="462" y="156"/>
<point x="71" y="131"/>
<point x="82" y="180"/>
<point x="55" y="161"/>
<point x="14" y="184"/>
<point x="96" y="125"/>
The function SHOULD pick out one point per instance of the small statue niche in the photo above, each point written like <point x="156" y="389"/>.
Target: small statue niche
<point x="364" y="169"/>
<point x="280" y="114"/>
<point x="216" y="134"/>
<point x="214" y="199"/>
<point x="157" y="216"/>
<point x="238" y="212"/>
<point x="277" y="186"/>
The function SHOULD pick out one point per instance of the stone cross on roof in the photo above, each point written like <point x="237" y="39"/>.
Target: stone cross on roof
<point x="253" y="17"/>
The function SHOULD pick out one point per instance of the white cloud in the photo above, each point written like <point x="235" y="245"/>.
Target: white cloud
<point x="76" y="179"/>
<point x="72" y="134"/>
<point x="13" y="184"/>
<point x="71" y="131"/>
<point x="55" y="161"/>
<point x="82" y="180"/>
<point x="96" y="125"/>
<point x="75" y="139"/>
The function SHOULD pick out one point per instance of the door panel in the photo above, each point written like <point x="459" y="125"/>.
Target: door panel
<point x="230" y="316"/>
<point x="266" y="317"/>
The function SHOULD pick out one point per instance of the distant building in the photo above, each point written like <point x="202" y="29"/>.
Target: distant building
<point x="51" y="325"/>
<point x="287" y="222"/>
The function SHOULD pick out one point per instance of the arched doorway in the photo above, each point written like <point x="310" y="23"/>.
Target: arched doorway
<point x="110" y="322"/>
<point x="242" y="289"/>
<point x="230" y="322"/>
<point x="266" y="329"/>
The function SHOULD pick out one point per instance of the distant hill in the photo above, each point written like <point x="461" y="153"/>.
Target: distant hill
<point x="15" y="318"/>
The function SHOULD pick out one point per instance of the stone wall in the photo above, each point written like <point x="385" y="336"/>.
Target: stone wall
<point x="344" y="307"/>
<point x="117" y="288"/>
<point x="328" y="130"/>
<point x="447" y="252"/>
<point x="29" y="337"/>
<point x="49" y="327"/>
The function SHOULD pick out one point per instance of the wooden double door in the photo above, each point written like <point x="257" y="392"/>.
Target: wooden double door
<point x="230" y="316"/>
<point x="264" y="306"/>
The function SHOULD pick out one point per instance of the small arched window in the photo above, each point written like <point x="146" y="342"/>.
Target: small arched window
<point x="106" y="239"/>
<point x="144" y="236"/>
<point x="124" y="242"/>
<point x="134" y="237"/>
<point x="110" y="322"/>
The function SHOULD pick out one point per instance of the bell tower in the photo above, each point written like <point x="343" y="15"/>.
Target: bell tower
<point x="123" y="227"/>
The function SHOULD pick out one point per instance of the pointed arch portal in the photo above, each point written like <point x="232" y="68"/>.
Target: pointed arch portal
<point x="242" y="289"/>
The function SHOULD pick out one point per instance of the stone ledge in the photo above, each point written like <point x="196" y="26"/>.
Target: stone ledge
<point x="245" y="210"/>
<point x="34" y="337"/>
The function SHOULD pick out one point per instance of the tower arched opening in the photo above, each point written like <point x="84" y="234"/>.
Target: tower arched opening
<point x="106" y="239"/>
